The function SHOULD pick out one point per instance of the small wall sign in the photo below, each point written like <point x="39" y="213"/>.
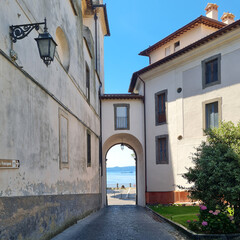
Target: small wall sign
<point x="9" y="163"/>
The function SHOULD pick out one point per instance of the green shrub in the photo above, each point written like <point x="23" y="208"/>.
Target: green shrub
<point x="216" y="174"/>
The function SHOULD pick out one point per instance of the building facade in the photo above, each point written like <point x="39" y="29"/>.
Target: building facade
<point x="191" y="83"/>
<point x="50" y="133"/>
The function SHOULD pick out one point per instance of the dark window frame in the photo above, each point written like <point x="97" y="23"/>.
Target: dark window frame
<point x="115" y="115"/>
<point x="89" y="160"/>
<point x="158" y="157"/>
<point x="204" y="71"/>
<point x="88" y="78"/>
<point x="204" y="104"/>
<point x="157" y="122"/>
<point x="176" y="46"/>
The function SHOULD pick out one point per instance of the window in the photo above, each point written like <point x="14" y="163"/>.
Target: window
<point x="211" y="71"/>
<point x="88" y="149"/>
<point x="162" y="149"/>
<point x="160" y="107"/>
<point x="211" y="113"/>
<point x="121" y="115"/>
<point x="176" y="46"/>
<point x="87" y="83"/>
<point x="167" y="51"/>
<point x="63" y="139"/>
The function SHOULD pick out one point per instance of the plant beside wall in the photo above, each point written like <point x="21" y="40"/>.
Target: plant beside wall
<point x="216" y="179"/>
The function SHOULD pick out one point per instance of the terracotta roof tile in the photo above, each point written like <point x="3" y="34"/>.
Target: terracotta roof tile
<point x="121" y="96"/>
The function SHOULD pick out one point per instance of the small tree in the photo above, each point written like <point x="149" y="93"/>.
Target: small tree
<point x="216" y="174"/>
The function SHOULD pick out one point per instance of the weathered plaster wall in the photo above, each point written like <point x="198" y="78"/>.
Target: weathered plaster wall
<point x="40" y="217"/>
<point x="45" y="115"/>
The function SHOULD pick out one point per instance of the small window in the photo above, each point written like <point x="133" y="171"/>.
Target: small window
<point x="162" y="149"/>
<point x="87" y="83"/>
<point x="160" y="107"/>
<point x="176" y="46"/>
<point x="167" y="51"/>
<point x="211" y="71"/>
<point x="121" y="114"/>
<point x="88" y="149"/>
<point x="212" y="113"/>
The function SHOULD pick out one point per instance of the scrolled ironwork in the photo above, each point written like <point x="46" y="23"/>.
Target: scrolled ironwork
<point x="21" y="31"/>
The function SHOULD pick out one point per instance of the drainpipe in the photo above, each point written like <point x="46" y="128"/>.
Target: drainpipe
<point x="145" y="131"/>
<point x="96" y="32"/>
<point x="100" y="139"/>
<point x="96" y="42"/>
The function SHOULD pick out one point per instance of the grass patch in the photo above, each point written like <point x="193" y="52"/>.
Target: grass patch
<point x="178" y="214"/>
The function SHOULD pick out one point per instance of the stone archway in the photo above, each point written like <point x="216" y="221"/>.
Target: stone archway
<point x="135" y="144"/>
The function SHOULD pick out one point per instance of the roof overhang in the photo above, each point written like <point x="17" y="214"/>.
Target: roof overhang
<point x="102" y="9"/>
<point x="200" y="20"/>
<point x="121" y="96"/>
<point x="182" y="51"/>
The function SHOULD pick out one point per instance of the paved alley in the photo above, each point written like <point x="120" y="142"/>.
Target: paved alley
<point x="120" y="223"/>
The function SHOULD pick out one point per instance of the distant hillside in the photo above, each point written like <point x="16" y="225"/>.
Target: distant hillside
<point x="121" y="169"/>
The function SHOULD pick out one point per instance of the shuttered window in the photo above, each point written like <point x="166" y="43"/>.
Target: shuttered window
<point x="162" y="149"/>
<point x="211" y="70"/>
<point x="160" y="108"/>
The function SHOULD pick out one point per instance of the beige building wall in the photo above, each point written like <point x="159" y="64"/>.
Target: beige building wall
<point x="185" y="114"/>
<point x="134" y="137"/>
<point x="198" y="32"/>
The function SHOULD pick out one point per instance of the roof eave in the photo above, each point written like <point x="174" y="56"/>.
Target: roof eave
<point x="198" y="20"/>
<point x="182" y="51"/>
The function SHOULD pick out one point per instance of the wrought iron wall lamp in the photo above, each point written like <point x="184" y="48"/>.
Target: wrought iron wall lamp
<point x="45" y="42"/>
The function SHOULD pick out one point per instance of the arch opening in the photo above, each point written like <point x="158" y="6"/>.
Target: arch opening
<point x="121" y="184"/>
<point x="131" y="142"/>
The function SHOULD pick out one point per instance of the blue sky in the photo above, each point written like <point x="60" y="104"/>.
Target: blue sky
<point x="137" y="24"/>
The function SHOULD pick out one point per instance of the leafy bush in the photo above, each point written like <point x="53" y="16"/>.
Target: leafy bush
<point x="216" y="174"/>
<point x="210" y="221"/>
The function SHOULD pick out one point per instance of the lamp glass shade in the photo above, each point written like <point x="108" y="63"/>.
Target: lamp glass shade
<point x="46" y="47"/>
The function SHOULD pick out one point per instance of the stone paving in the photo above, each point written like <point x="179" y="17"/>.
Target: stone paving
<point x="125" y="196"/>
<point x="121" y="223"/>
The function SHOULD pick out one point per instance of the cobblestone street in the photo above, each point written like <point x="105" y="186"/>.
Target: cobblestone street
<point x="121" y="223"/>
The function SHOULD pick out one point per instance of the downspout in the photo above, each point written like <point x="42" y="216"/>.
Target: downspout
<point x="96" y="42"/>
<point x="96" y="33"/>
<point x="100" y="138"/>
<point x="100" y="145"/>
<point x="145" y="131"/>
